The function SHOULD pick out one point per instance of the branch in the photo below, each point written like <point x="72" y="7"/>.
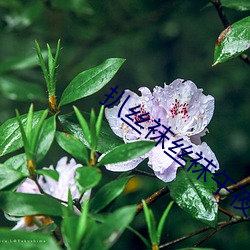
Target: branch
<point x="226" y="23"/>
<point x="144" y="173"/>
<point x="236" y="219"/>
<point x="235" y="187"/>
<point x="152" y="198"/>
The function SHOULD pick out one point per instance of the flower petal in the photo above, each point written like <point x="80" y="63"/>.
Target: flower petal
<point x="164" y="167"/>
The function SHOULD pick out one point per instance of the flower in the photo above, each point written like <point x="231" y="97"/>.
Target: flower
<point x="181" y="106"/>
<point x="58" y="189"/>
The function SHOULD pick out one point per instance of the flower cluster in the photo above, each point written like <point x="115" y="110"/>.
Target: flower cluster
<point x="58" y="189"/>
<point x="182" y="107"/>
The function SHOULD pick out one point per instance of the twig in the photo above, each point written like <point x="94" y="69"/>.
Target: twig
<point x="224" y="211"/>
<point x="226" y="23"/>
<point x="204" y="229"/>
<point x="235" y="187"/>
<point x="152" y="198"/>
<point x="235" y="220"/>
<point x="144" y="173"/>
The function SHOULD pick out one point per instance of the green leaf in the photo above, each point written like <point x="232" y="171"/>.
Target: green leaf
<point x="105" y="235"/>
<point x="10" y="136"/>
<point x="87" y="177"/>
<point x="73" y="146"/>
<point x="16" y="240"/>
<point x="90" y="81"/>
<point x="162" y="221"/>
<point x="233" y="41"/>
<point x="8" y="176"/>
<point x="241" y="5"/>
<point x="20" y="204"/>
<point x="127" y="152"/>
<point x="107" y="138"/>
<point x="78" y="6"/>
<point x="53" y="174"/>
<point x="18" y="162"/>
<point x="19" y="90"/>
<point x="151" y="223"/>
<point x="84" y="125"/>
<point x="195" y="196"/>
<point x="46" y="137"/>
<point x="92" y="127"/>
<point x="99" y="122"/>
<point x="108" y="193"/>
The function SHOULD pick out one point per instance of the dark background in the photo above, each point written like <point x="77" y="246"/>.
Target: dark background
<point x="161" y="41"/>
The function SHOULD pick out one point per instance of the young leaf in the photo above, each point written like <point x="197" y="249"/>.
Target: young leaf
<point x="195" y="196"/>
<point x="53" y="174"/>
<point x="127" y="152"/>
<point x="87" y="177"/>
<point x="92" y="127"/>
<point x="46" y="138"/>
<point x="84" y="125"/>
<point x="90" y="81"/>
<point x="107" y="138"/>
<point x="16" y="240"/>
<point x="73" y="146"/>
<point x="143" y="239"/>
<point x="106" y="234"/>
<point x="108" y="193"/>
<point x="162" y="221"/>
<point x="233" y="41"/>
<point x="31" y="204"/>
<point x="10" y="136"/>
<point x="99" y="122"/>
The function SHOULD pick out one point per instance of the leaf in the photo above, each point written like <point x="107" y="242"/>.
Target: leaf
<point x="162" y="221"/>
<point x="18" y="90"/>
<point x="195" y="196"/>
<point x="20" y="204"/>
<point x="16" y="240"/>
<point x="53" y="174"/>
<point x="233" y="41"/>
<point x="108" y="193"/>
<point x="10" y="136"/>
<point x="127" y="152"/>
<point x="241" y="5"/>
<point x="18" y="162"/>
<point x="90" y="81"/>
<point x="8" y="176"/>
<point x="87" y="177"/>
<point x="105" y="235"/>
<point x="107" y="138"/>
<point x="73" y="146"/>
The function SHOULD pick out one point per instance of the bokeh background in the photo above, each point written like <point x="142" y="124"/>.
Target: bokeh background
<point x="161" y="41"/>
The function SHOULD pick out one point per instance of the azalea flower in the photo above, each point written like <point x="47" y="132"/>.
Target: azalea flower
<point x="58" y="189"/>
<point x="182" y="108"/>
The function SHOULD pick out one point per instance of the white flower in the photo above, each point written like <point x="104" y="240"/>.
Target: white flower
<point x="58" y="189"/>
<point x="180" y="106"/>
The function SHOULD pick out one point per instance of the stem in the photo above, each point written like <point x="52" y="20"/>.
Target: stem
<point x="144" y="173"/>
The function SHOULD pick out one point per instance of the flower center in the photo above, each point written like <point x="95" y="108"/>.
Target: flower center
<point x="180" y="110"/>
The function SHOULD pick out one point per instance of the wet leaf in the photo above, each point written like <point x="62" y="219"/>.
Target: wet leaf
<point x="10" y="135"/>
<point x="90" y="81"/>
<point x="233" y="41"/>
<point x="20" y="204"/>
<point x="195" y="196"/>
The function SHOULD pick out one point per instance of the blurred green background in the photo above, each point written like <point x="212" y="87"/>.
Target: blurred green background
<point x="162" y="41"/>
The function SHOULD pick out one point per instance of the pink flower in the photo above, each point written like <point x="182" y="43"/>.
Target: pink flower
<point x="180" y="106"/>
<point x="58" y="189"/>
